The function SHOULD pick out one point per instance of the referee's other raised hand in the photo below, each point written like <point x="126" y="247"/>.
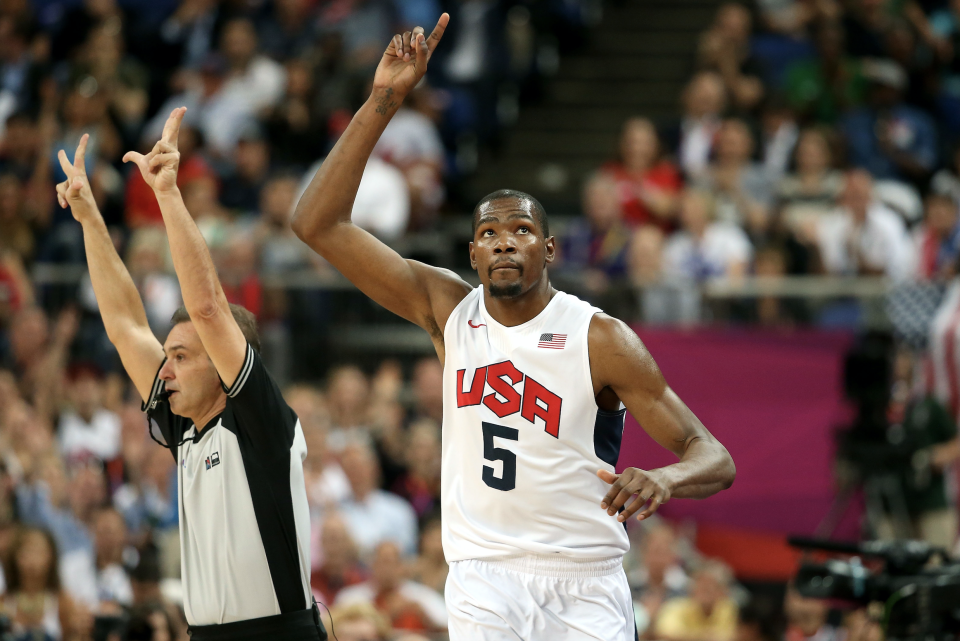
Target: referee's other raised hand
<point x="159" y="167"/>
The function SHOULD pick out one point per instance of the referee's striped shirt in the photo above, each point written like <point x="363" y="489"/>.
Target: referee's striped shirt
<point x="244" y="518"/>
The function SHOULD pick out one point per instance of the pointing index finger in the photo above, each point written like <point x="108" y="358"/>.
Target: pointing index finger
<point x="437" y="32"/>
<point x="171" y="130"/>
<point x="79" y="156"/>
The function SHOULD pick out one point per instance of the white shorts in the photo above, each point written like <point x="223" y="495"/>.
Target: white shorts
<point x="538" y="598"/>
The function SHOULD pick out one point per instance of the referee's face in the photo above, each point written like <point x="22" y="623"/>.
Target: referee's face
<point x="189" y="374"/>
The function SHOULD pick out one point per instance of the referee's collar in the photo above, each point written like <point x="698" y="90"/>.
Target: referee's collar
<point x="212" y="423"/>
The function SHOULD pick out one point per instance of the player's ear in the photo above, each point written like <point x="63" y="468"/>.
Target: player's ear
<point x="473" y="257"/>
<point x="550" y="245"/>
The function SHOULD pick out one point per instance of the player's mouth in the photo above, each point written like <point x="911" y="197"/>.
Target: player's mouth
<point x="505" y="265"/>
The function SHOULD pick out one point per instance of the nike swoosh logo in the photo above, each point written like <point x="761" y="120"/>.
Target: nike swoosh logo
<point x="470" y="323"/>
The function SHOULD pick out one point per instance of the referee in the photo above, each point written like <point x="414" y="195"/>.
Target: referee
<point x="244" y="519"/>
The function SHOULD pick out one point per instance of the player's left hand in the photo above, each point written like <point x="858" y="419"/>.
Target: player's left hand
<point x="159" y="167"/>
<point x="651" y="485"/>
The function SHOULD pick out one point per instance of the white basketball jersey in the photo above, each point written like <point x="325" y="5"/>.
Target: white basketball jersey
<point x="523" y="437"/>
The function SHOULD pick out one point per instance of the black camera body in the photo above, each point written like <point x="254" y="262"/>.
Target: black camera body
<point x="920" y="602"/>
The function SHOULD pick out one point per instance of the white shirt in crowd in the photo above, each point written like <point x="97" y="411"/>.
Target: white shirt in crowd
<point x="722" y="245"/>
<point x="881" y="243"/>
<point x="100" y="437"/>
<point x="410" y="136"/>
<point x="382" y="516"/>
<point x="427" y="598"/>
<point x="382" y="205"/>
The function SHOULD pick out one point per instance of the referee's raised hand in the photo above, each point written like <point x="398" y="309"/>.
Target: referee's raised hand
<point x="159" y="167"/>
<point x="75" y="191"/>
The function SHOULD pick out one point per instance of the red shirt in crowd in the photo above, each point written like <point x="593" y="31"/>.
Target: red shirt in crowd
<point x="663" y="177"/>
<point x="141" y="207"/>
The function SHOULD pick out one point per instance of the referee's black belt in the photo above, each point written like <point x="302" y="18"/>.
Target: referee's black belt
<point x="303" y="625"/>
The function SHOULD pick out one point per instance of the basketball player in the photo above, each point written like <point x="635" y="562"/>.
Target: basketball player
<point x="534" y="386"/>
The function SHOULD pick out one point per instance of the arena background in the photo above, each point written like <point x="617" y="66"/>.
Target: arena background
<point x="752" y="186"/>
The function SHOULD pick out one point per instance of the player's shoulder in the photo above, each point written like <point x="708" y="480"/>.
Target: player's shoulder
<point x="612" y="334"/>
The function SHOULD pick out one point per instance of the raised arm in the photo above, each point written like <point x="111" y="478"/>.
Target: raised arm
<point x="203" y="296"/>
<point x="120" y="306"/>
<point x="619" y="361"/>
<point x="417" y="292"/>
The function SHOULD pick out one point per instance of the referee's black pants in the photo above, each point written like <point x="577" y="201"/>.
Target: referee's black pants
<point x="304" y="625"/>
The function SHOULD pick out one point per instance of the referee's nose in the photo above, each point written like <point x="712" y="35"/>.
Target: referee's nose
<point x="166" y="372"/>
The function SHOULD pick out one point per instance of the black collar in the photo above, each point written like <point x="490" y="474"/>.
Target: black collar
<point x="212" y="423"/>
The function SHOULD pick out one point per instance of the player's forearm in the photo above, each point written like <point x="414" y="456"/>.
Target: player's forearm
<point x="328" y="200"/>
<point x="704" y="469"/>
<point x="199" y="285"/>
<point x="119" y="301"/>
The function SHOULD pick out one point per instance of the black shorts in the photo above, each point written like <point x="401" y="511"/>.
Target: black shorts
<point x="304" y="625"/>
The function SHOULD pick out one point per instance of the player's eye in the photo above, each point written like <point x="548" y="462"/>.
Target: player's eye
<point x="487" y="233"/>
<point x="523" y="229"/>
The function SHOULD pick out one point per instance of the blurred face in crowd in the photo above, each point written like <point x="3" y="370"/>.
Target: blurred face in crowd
<point x="387" y="567"/>
<point x="146" y="252"/>
<point x="35" y="559"/>
<point x="299" y="78"/>
<point x="10" y="192"/>
<point x="189" y="374"/>
<point x="733" y="21"/>
<point x="252" y="157"/>
<point x="705" y="95"/>
<point x="200" y="197"/>
<point x="941" y="215"/>
<point x="239" y="42"/>
<point x="431" y="541"/>
<point x="695" y="212"/>
<point x="88" y="490"/>
<point x="20" y="138"/>
<point x="428" y="387"/>
<point x="659" y="551"/>
<point x="601" y="202"/>
<point x="360" y="466"/>
<point x="708" y="589"/>
<point x="277" y="199"/>
<point x="813" y="152"/>
<point x="28" y="335"/>
<point x="808" y="615"/>
<point x="86" y="394"/>
<point x="348" y="394"/>
<point x="857" y="193"/>
<point x="158" y="469"/>
<point x="509" y="249"/>
<point x="423" y="450"/>
<point x="734" y="142"/>
<point x="638" y="144"/>
<point x="110" y="535"/>
<point x="240" y="259"/>
<point x="645" y="254"/>
<point x="339" y="550"/>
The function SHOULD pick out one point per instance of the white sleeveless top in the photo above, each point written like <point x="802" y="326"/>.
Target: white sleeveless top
<point x="523" y="437"/>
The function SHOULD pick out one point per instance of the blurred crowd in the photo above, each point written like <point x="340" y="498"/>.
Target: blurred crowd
<point x="815" y="137"/>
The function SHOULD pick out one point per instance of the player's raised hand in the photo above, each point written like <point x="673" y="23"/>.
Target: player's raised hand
<point x="405" y="61"/>
<point x="159" y="167"/>
<point x="649" y="484"/>
<point x="75" y="191"/>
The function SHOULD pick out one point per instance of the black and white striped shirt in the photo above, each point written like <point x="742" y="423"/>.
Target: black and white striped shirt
<point x="244" y="518"/>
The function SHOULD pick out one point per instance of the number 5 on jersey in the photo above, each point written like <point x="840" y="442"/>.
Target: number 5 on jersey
<point x="508" y="477"/>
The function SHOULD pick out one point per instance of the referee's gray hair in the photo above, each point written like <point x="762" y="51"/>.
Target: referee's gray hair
<point x="244" y="317"/>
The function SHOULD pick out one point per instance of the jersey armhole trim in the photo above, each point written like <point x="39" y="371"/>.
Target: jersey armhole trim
<point x="155" y="390"/>
<point x="242" y="376"/>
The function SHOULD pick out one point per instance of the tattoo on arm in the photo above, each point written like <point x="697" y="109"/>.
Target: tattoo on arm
<point x="385" y="102"/>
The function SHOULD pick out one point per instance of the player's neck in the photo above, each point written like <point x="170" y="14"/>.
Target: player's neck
<point x="209" y="412"/>
<point x="511" y="312"/>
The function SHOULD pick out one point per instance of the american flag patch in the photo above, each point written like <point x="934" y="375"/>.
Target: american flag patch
<point x="552" y="341"/>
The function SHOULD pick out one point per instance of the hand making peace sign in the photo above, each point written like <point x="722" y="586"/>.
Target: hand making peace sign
<point x="75" y="192"/>
<point x="159" y="167"/>
<point x="405" y="61"/>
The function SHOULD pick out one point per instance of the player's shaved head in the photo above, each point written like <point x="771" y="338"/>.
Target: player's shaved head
<point x="524" y="201"/>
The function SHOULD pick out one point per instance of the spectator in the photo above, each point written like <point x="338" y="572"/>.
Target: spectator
<point x="822" y="88"/>
<point x="296" y="126"/>
<point x="937" y="240"/>
<point x="359" y="622"/>
<point x="382" y="205"/>
<point x="412" y="143"/>
<point x="147" y="260"/>
<point x="708" y="614"/>
<point x="427" y="387"/>
<point x="16" y="235"/>
<point x="778" y="135"/>
<point x="239" y="273"/>
<point x="807" y="618"/>
<point x="34" y="600"/>
<point x="647" y="185"/>
<point x="725" y="48"/>
<point x="596" y="247"/>
<point x="348" y="393"/>
<point x="420" y="486"/>
<point x="430" y="567"/>
<point x="705" y="248"/>
<point x="660" y="577"/>
<point x="811" y="191"/>
<point x="407" y="604"/>
<point x="340" y="567"/>
<point x="864" y="237"/>
<point x="109" y="540"/>
<point x="692" y="138"/>
<point x="88" y="429"/>
<point x="252" y="74"/>
<point x="281" y="252"/>
<point x="373" y="515"/>
<point x="889" y="138"/>
<point x="363" y="26"/>
<point x="741" y="187"/>
<point x="289" y="30"/>
<point x="241" y="190"/>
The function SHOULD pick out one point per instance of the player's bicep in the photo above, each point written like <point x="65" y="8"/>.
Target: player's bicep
<point x="223" y="341"/>
<point x="141" y="354"/>
<point x="400" y="285"/>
